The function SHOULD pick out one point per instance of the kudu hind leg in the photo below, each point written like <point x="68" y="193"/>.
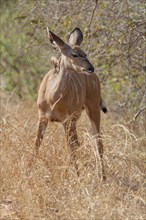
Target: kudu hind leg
<point x="94" y="116"/>
<point x="100" y="149"/>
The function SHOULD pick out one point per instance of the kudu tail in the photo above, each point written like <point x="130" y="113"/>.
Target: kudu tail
<point x="103" y="105"/>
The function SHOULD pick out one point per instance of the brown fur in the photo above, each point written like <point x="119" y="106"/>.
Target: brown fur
<point x="68" y="88"/>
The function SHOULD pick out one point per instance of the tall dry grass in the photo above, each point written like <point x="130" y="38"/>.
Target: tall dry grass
<point x="50" y="189"/>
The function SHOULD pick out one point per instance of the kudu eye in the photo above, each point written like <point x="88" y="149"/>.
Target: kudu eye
<point x="74" y="55"/>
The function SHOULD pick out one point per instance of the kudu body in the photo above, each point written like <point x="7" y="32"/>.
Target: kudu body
<point x="68" y="89"/>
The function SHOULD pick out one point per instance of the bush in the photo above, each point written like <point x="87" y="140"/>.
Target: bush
<point x="114" y="40"/>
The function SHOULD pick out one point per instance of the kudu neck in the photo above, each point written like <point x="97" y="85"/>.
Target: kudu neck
<point x="65" y="64"/>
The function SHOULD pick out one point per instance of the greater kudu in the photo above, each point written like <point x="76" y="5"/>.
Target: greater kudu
<point x="67" y="90"/>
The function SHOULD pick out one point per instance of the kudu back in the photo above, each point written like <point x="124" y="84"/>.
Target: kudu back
<point x="68" y="89"/>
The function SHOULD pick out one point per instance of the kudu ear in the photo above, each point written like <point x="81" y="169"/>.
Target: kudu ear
<point x="75" y="37"/>
<point x="56" y="41"/>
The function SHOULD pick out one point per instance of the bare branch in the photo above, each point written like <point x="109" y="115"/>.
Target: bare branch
<point x="89" y="25"/>
<point x="92" y="16"/>
<point x="138" y="113"/>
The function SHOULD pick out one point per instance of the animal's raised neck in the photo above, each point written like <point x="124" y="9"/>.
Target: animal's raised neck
<point x="65" y="63"/>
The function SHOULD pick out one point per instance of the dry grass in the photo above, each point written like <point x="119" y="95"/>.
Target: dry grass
<point x="46" y="191"/>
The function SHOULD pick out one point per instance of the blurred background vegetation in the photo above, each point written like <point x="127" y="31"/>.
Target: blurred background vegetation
<point x="114" y="39"/>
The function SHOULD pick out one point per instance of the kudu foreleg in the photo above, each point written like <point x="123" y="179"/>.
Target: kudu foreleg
<point x="42" y="124"/>
<point x="72" y="141"/>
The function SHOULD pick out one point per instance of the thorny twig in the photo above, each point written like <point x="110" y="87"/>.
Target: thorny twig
<point x="124" y="51"/>
<point x="96" y="3"/>
<point x="89" y="25"/>
<point x="138" y="113"/>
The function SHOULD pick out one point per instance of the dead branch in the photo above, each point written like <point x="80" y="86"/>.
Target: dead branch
<point x="138" y="113"/>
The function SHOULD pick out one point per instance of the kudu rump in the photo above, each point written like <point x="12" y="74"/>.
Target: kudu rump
<point x="68" y="89"/>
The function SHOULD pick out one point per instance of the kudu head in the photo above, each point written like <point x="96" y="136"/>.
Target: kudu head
<point x="73" y="56"/>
